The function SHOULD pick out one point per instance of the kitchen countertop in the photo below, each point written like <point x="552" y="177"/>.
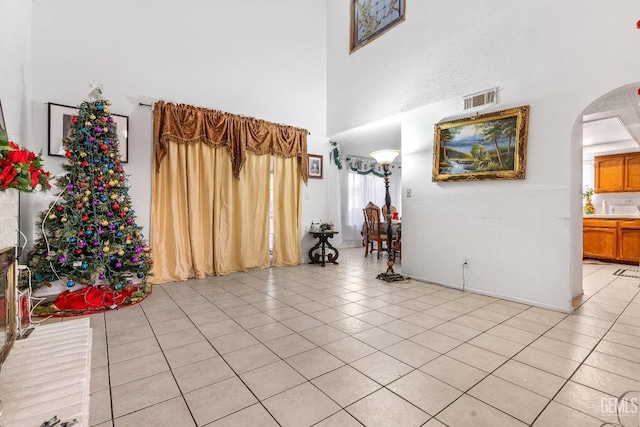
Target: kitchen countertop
<point x="612" y="216"/>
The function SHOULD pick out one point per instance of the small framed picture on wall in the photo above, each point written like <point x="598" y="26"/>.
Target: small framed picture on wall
<point x="60" y="128"/>
<point x="315" y="166"/>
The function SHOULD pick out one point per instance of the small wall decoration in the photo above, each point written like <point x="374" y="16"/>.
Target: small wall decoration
<point x="371" y="18"/>
<point x="487" y="146"/>
<point x="315" y="166"/>
<point x="60" y="126"/>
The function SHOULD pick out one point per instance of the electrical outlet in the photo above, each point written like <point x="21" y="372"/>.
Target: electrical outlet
<point x="465" y="262"/>
<point x="408" y="192"/>
<point x="628" y="201"/>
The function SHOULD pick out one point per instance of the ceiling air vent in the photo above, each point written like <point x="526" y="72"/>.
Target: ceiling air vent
<point x="481" y="99"/>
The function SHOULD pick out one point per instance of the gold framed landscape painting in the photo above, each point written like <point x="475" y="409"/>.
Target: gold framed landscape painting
<point x="372" y="18"/>
<point x="483" y="147"/>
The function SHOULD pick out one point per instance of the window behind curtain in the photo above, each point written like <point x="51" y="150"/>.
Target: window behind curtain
<point x="362" y="190"/>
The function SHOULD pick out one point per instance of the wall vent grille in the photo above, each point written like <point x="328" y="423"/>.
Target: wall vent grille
<point x="480" y="99"/>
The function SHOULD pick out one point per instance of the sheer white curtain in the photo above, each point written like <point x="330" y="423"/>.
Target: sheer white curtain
<point x="362" y="189"/>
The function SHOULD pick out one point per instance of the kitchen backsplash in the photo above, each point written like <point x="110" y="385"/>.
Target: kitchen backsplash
<point x="617" y="202"/>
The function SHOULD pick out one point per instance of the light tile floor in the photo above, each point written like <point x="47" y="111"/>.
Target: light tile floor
<point x="333" y="346"/>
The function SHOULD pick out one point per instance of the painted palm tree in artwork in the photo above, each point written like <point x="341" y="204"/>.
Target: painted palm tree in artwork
<point x="492" y="131"/>
<point x="509" y="131"/>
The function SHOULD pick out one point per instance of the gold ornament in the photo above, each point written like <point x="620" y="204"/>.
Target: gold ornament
<point x="87" y="192"/>
<point x="106" y="110"/>
<point x="113" y="196"/>
<point x="85" y="199"/>
<point x="122" y="227"/>
<point x="120" y="252"/>
<point x="105" y="249"/>
<point x="92" y="117"/>
<point x="52" y="216"/>
<point x="107" y="102"/>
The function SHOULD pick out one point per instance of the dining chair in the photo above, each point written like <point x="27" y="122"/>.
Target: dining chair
<point x="372" y="229"/>
<point x="384" y="210"/>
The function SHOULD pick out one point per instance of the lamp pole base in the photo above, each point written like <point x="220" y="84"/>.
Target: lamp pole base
<point x="392" y="277"/>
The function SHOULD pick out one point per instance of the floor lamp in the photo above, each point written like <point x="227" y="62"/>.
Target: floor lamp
<point x="385" y="158"/>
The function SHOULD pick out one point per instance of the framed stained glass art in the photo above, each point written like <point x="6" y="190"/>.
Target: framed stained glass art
<point x="372" y="18"/>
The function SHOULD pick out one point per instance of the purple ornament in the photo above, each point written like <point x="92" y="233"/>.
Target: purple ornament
<point x="112" y="227"/>
<point x="92" y="139"/>
<point x="95" y="203"/>
<point x="110" y="214"/>
<point x="101" y="276"/>
<point x="134" y="259"/>
<point x="137" y="250"/>
<point x="100" y="188"/>
<point x="98" y="129"/>
<point x="118" y="265"/>
<point x="101" y="232"/>
<point x="110" y="119"/>
<point x="62" y="259"/>
<point x="81" y="244"/>
<point x="100" y="253"/>
<point x="46" y="254"/>
<point x="70" y="186"/>
<point x="130" y="221"/>
<point x="96" y="243"/>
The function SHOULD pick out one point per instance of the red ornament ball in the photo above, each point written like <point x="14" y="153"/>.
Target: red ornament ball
<point x="115" y="206"/>
<point x="78" y="251"/>
<point x="74" y="119"/>
<point x="103" y="147"/>
<point x="84" y="163"/>
<point x="67" y="154"/>
<point x="81" y="233"/>
<point x="638" y="25"/>
<point x="85" y="218"/>
<point x="60" y="208"/>
<point x="638" y="91"/>
<point x="78" y="205"/>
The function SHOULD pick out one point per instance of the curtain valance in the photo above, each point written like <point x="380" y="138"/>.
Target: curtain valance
<point x="186" y="124"/>
<point x="364" y="166"/>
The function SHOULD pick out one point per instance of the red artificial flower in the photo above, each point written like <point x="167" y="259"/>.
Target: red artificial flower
<point x="8" y="173"/>
<point x="21" y="168"/>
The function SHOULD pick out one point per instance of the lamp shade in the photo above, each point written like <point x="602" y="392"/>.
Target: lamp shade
<point x="385" y="157"/>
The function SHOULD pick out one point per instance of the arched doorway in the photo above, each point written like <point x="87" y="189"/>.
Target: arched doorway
<point x="609" y="125"/>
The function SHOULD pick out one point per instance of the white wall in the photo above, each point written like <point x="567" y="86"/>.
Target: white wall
<point x="523" y="238"/>
<point x="260" y="59"/>
<point x="15" y="94"/>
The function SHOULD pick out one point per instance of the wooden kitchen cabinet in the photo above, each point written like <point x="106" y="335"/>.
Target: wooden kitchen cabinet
<point x="617" y="173"/>
<point x="611" y="239"/>
<point x="629" y="241"/>
<point x="632" y="174"/>
<point x="600" y="238"/>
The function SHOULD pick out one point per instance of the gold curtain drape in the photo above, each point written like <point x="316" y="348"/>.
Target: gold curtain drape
<point x="210" y="195"/>
<point x="287" y="202"/>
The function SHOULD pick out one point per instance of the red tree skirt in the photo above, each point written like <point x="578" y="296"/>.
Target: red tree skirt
<point x="94" y="299"/>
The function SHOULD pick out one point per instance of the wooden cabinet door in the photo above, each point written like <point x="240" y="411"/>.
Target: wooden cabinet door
<point x="629" y="241"/>
<point x="599" y="242"/>
<point x="609" y="174"/>
<point x="632" y="173"/>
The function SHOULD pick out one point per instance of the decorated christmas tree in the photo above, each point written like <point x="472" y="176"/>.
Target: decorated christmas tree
<point x="89" y="238"/>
